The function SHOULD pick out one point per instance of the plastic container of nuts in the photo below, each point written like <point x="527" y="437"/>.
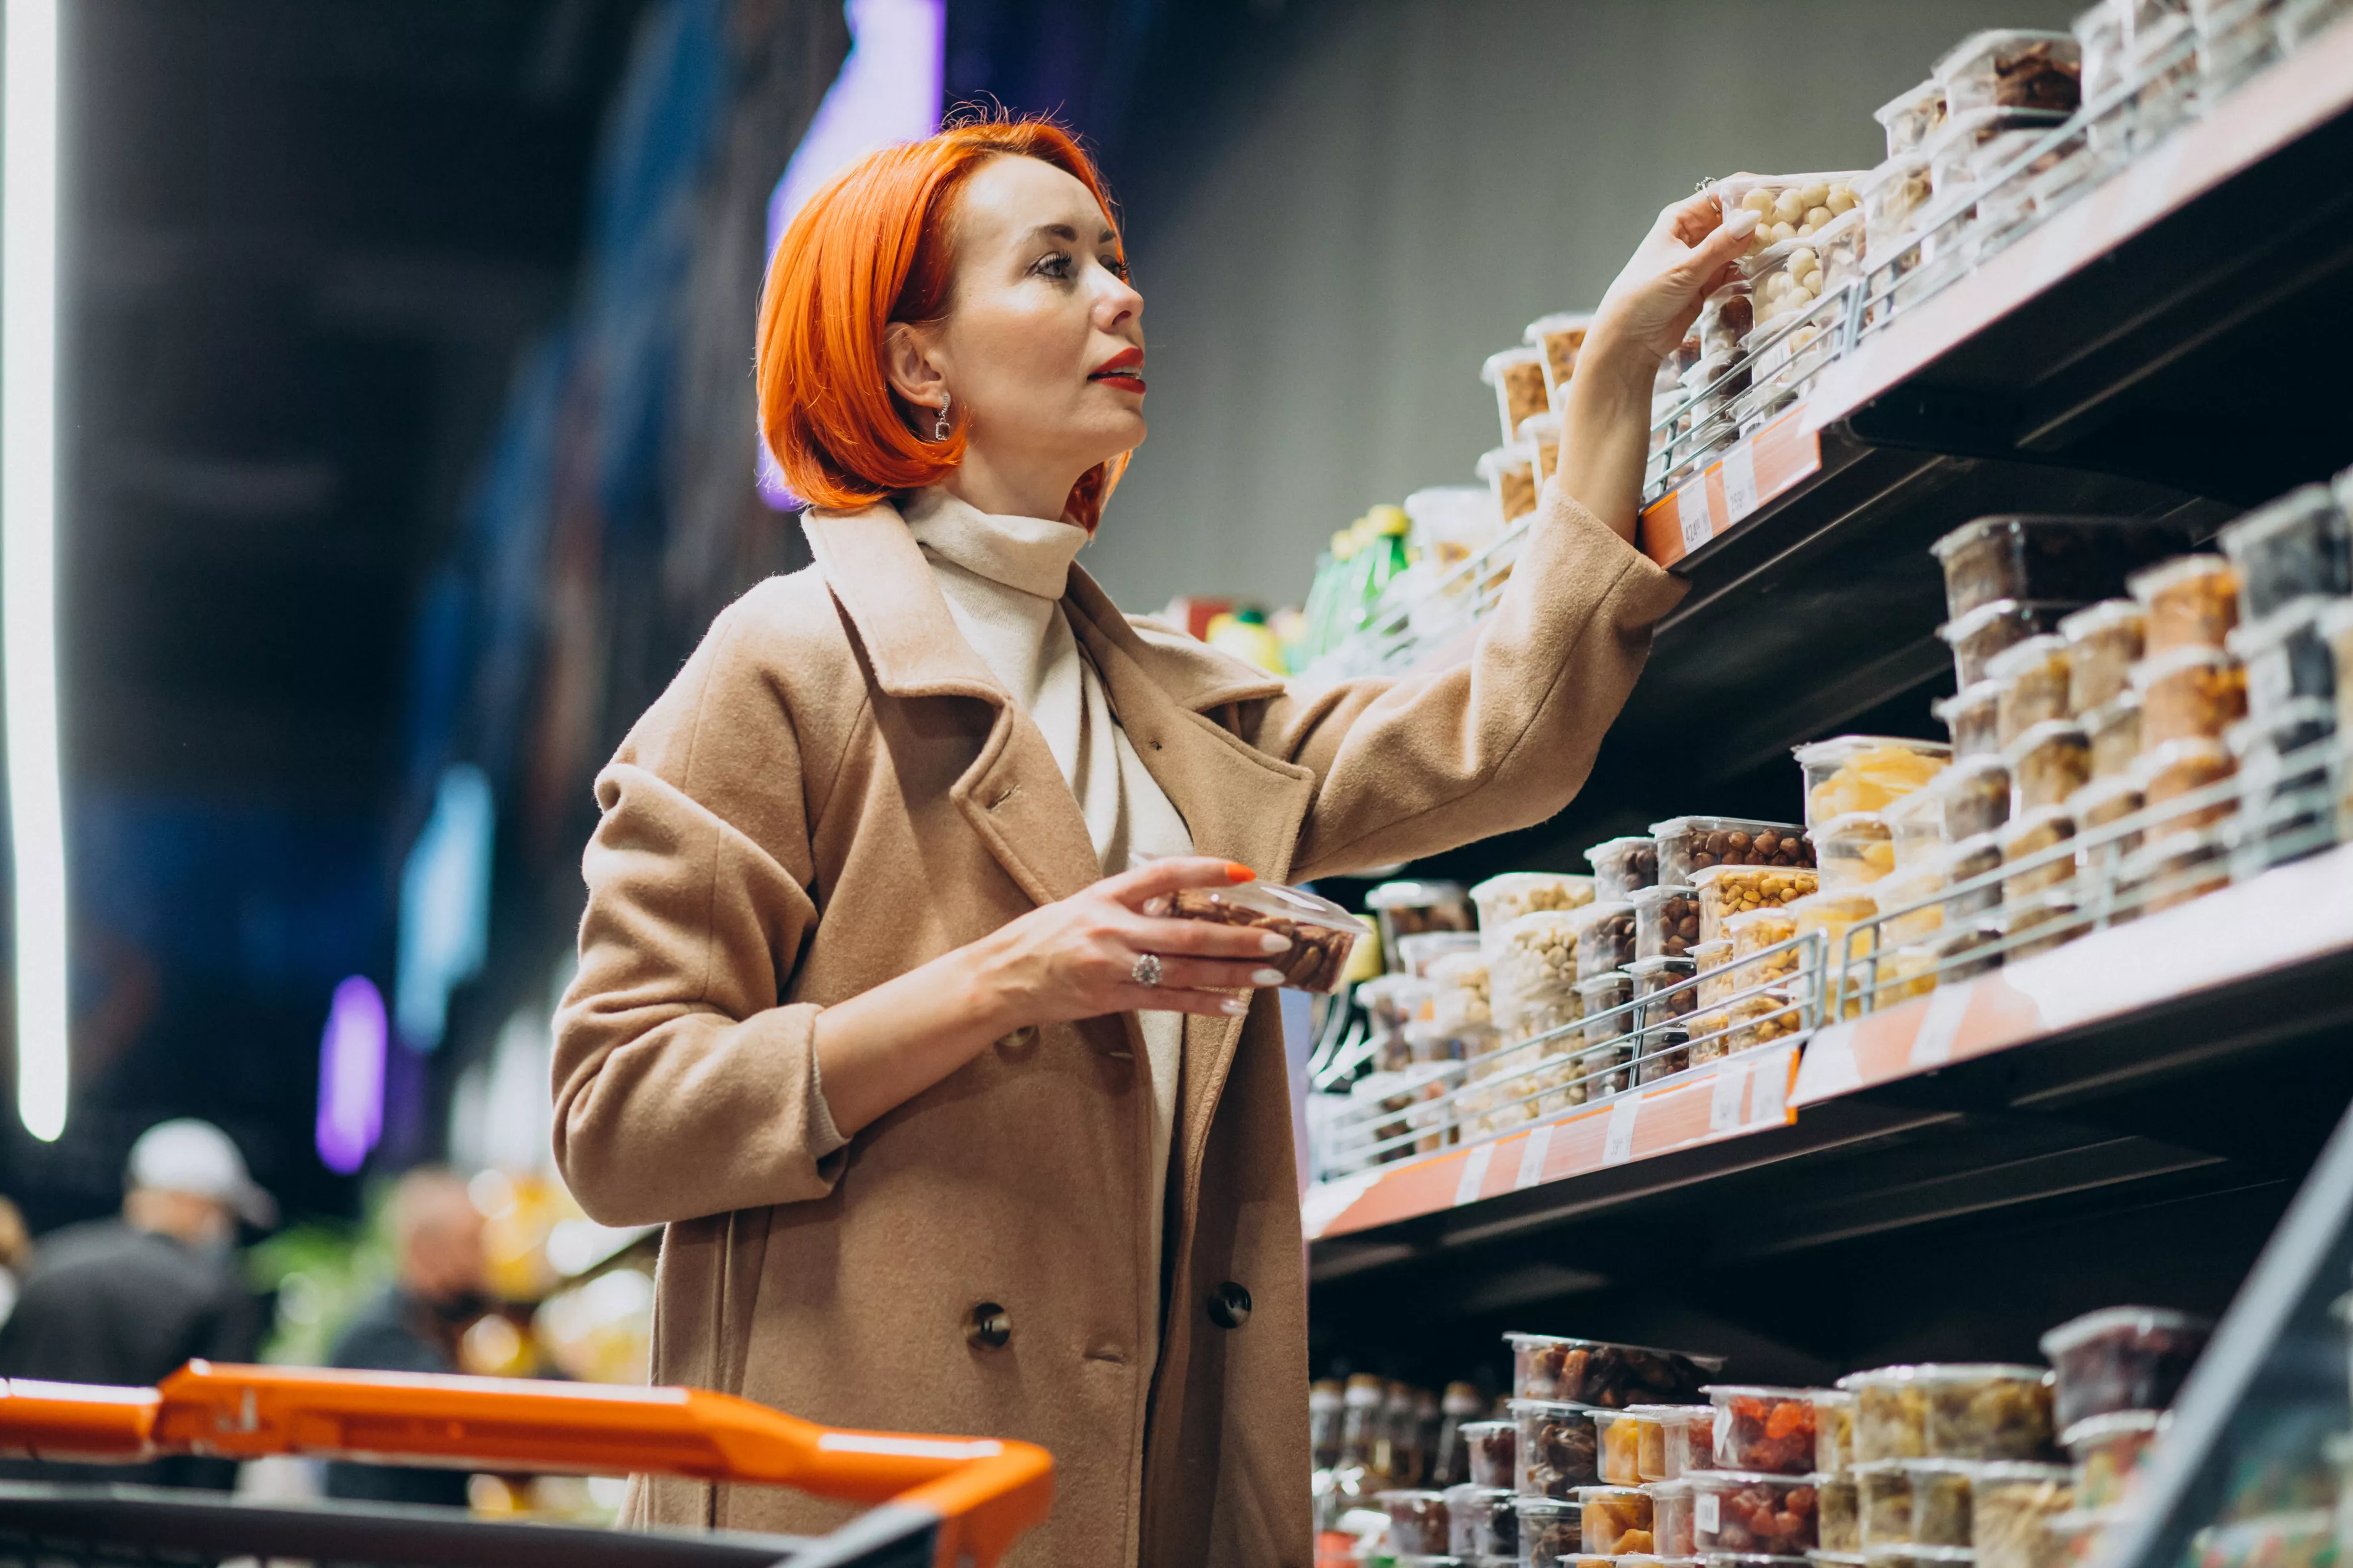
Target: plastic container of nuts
<point x="1741" y="1511"/>
<point x="1518" y="377"/>
<point x="2011" y="67"/>
<point x="2048" y="762"/>
<point x="1533" y="964"/>
<point x="2095" y="807"/>
<point x="2121" y="1358"/>
<point x="1605" y="937"/>
<point x="1409" y="908"/>
<point x="1755" y="933"/>
<point x="1416" y="953"/>
<point x="1940" y="1500"/>
<point x="1767" y="1430"/>
<point x="1764" y="1017"/>
<point x="1853" y="848"/>
<point x="1836" y="1500"/>
<point x="1894" y="195"/>
<point x="1511" y="472"/>
<point x="1788" y="206"/>
<point x="1605" y="1373"/>
<point x="1972" y="716"/>
<point x="1502" y="900"/>
<point x="1690" y="845"/>
<point x="1912" y="117"/>
<point x="1987" y="1411"/>
<point x="1977" y="795"/>
<point x="1725" y="320"/>
<point x="2114" y="728"/>
<point x="2192" y="601"/>
<point x="1322" y="934"/>
<point x="2109" y="1451"/>
<point x="1558" y="339"/>
<point x="1558" y="1449"/>
<point x="1620" y="866"/>
<point x="1552" y="1532"/>
<point x="1788" y="277"/>
<point x="2104" y="642"/>
<point x="1891" y="1422"/>
<point x="1911" y="888"/>
<point x="1724" y="891"/>
<point x="1983" y="633"/>
<point x="1864" y="772"/>
<point x="1666" y="922"/>
<point x="2301" y="543"/>
<point x="2025" y="839"/>
<point x="2047" y="558"/>
<point x="2189" y="693"/>
<point x="2034" y="681"/>
<point x="1883" y="1499"/>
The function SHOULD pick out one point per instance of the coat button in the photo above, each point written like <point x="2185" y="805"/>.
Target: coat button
<point x="1230" y="1306"/>
<point x="992" y="1325"/>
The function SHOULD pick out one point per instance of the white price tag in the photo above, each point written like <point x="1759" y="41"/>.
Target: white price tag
<point x="1475" y="1173"/>
<point x="1932" y="1045"/>
<point x="1740" y="480"/>
<point x="1724" y="1101"/>
<point x="1770" y="1099"/>
<point x="1532" y="1157"/>
<point x="1706" y="1516"/>
<point x="1617" y="1138"/>
<point x="1692" y="511"/>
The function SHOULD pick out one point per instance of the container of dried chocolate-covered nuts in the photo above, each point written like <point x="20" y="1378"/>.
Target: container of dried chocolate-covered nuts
<point x="1980" y="636"/>
<point x="1666" y="922"/>
<point x="2048" y="762"/>
<point x="1852" y="848"/>
<point x="1518" y="377"/>
<point x="2011" y="67"/>
<point x="2190" y="692"/>
<point x="1972" y="716"/>
<point x="1724" y="891"/>
<point x="2104" y="642"/>
<point x="2114" y="728"/>
<point x="2034" y="676"/>
<point x="2301" y="543"/>
<point x="1690" y="845"/>
<point x="1503" y="899"/>
<point x="2192" y="601"/>
<point x="1620" y="866"/>
<point x="1322" y="933"/>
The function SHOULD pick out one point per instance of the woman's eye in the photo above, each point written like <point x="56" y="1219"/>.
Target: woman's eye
<point x="1115" y="267"/>
<point x="1057" y="265"/>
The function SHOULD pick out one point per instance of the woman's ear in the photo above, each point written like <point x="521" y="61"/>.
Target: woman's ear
<point x="906" y="360"/>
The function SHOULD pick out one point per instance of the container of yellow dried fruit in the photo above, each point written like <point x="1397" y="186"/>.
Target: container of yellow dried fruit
<point x="1864" y="772"/>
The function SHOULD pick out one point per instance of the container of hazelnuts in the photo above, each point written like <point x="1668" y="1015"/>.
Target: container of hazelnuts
<point x="1322" y="933"/>
<point x="1690" y="845"/>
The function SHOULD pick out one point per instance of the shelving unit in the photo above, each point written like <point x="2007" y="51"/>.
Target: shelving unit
<point x="2125" y="1118"/>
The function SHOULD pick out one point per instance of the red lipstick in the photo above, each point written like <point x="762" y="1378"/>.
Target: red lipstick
<point x="1120" y="371"/>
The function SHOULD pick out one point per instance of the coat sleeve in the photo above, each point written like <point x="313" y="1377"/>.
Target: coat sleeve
<point x="683" y="1087"/>
<point x="1410" y="766"/>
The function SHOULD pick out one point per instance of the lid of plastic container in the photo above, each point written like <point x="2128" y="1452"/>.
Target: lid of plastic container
<point x="1886" y="1551"/>
<point x="1677" y="1487"/>
<point x="1601" y="909"/>
<point x="1523" y="1405"/>
<point x="1911" y="99"/>
<point x="1413" y="895"/>
<point x="1993" y="40"/>
<point x="1839" y="748"/>
<point x="1984" y="1470"/>
<point x="2305" y="505"/>
<point x="2098" y="794"/>
<point x="1944" y="1372"/>
<point x="2037" y="735"/>
<point x="2150" y="581"/>
<point x="2058" y="1341"/>
<point x="1602" y="1417"/>
<point x="1518" y="882"/>
<point x="1675" y="826"/>
<point x="1418" y="951"/>
<point x="1290" y="903"/>
<point x="1537" y="427"/>
<point x="1409" y="1496"/>
<point x="1610" y="849"/>
<point x="1563" y="920"/>
<point x="2042" y="819"/>
<point x="1505" y="359"/>
<point x="2148" y="671"/>
<point x="1968" y="627"/>
<point x="1558" y="321"/>
<point x="1643" y="968"/>
<point x="1737" y="1480"/>
<point x="1731" y="188"/>
<point x="2114" y="710"/>
<point x="1748" y="917"/>
<point x="2167" y="756"/>
<point x="1755" y="1391"/>
<point x="2300" y="617"/>
<point x="1385" y="988"/>
<point x="1545" y="1506"/>
<point x="1610" y="980"/>
<point x="1868" y="825"/>
<point x="1969" y="534"/>
<point x="2084" y="1521"/>
<point x="1849" y="904"/>
<point x="1841" y="1559"/>
<point x="1830" y="1397"/>
<point x="1488" y="1428"/>
<point x="1458" y="969"/>
<point x="1904" y="166"/>
<point x="1643" y="897"/>
<point x="1974" y="695"/>
<point x="1673" y="1413"/>
<point x="2093" y="619"/>
<point x="1494" y="463"/>
<point x="2115" y="1424"/>
<point x="1961" y="134"/>
<point x="2021" y="657"/>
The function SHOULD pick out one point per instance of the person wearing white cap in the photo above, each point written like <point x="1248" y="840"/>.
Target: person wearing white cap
<point x="127" y="1300"/>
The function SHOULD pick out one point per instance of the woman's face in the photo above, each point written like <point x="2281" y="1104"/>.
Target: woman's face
<point x="1042" y="349"/>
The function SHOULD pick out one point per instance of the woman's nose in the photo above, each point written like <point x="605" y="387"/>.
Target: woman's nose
<point x="1117" y="302"/>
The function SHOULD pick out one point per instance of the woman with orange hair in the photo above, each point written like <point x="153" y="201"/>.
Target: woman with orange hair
<point x="949" y="1133"/>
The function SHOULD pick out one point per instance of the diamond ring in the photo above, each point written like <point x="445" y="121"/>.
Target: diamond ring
<point x="1147" y="969"/>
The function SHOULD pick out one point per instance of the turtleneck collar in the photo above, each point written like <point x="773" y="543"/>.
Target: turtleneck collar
<point x="1030" y="554"/>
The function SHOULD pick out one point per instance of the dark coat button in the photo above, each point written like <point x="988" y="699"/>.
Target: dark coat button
<point x="1230" y="1306"/>
<point x="991" y="1326"/>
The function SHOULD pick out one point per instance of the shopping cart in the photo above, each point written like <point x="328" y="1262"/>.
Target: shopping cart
<point x="940" y="1502"/>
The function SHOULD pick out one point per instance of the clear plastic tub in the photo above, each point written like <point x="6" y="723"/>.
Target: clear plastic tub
<point x="1551" y="1532"/>
<point x="1665" y="987"/>
<point x="1883" y="1495"/>
<point x="2121" y="1358"/>
<point x="2095" y="806"/>
<point x="1841" y="916"/>
<point x="1891" y="1422"/>
<point x="1916" y="823"/>
<point x="1666" y="922"/>
<point x="1416" y="1521"/>
<point x="1987" y="1411"/>
<point x="1896" y="196"/>
<point x="1725" y="320"/>
<point x="1489" y="1446"/>
<point x="2298" y="544"/>
<point x="1940" y="1500"/>
<point x="1409" y="908"/>
<point x="1853" y="848"/>
<point x="1616" y="1520"/>
<point x="2337" y="630"/>
<point x="1977" y="795"/>
<point x="1752" y="934"/>
<point x="1968" y="860"/>
<point x="2048" y="762"/>
<point x="1833" y="1438"/>
<point x="1724" y="891"/>
<point x="1987" y="632"/>
<point x="2286" y="656"/>
<point x="1904" y="888"/>
<point x="2169" y="772"/>
<point x="1502" y="900"/>
<point x="1913" y="117"/>
<point x="1558" y="1450"/>
<point x="2190" y="692"/>
<point x="2193" y="602"/>
<point x="2283" y="775"/>
<point x="2009" y="1506"/>
<point x="1672" y="1516"/>
<point x="1534" y="964"/>
<point x="1620" y="866"/>
<point x="1737" y="1511"/>
<point x="1540" y="434"/>
<point x="1864" y="772"/>
<point x="1788" y="206"/>
<point x="1838" y="1502"/>
<point x="1788" y="277"/>
<point x="1762" y="1018"/>
<point x="1605" y="938"/>
<point x="1511" y="471"/>
<point x="2108" y="1452"/>
<point x="1558" y="339"/>
<point x="2011" y="67"/>
<point x="1762" y="1429"/>
<point x="2023" y="839"/>
<point x="1715" y="959"/>
<point x="1322" y="935"/>
<point x="1482" y="1525"/>
<point x="1690" y="845"/>
<point x="1972" y="716"/>
<point x="1623" y="1434"/>
<point x="2104" y="642"/>
<point x="1518" y="377"/>
<point x="1686" y="1440"/>
<point x="2050" y="558"/>
<point x="2035" y="679"/>
<point x="2114" y="728"/>
<point x="1416" y="953"/>
<point x="1604" y="1373"/>
<point x="2175" y="869"/>
<point x="2100" y="50"/>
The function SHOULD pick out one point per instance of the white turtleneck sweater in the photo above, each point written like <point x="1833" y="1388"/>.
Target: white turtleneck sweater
<point x="1004" y="578"/>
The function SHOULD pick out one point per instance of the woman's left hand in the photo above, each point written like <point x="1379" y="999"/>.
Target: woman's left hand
<point x="1690" y="251"/>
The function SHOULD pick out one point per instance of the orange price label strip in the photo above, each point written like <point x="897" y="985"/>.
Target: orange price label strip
<point x="1755" y="470"/>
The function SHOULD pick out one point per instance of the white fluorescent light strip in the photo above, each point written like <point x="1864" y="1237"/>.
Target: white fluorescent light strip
<point x="28" y="496"/>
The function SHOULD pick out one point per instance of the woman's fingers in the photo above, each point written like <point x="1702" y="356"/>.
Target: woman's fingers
<point x="1693" y="218"/>
<point x="1210" y="974"/>
<point x="1203" y="939"/>
<point x="1723" y="242"/>
<point x="1159" y="878"/>
<point x="1163" y="999"/>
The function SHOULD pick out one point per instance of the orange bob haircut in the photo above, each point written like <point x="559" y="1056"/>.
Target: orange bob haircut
<point x="871" y="248"/>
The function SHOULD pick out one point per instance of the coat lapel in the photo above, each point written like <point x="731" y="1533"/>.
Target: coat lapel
<point x="1013" y="794"/>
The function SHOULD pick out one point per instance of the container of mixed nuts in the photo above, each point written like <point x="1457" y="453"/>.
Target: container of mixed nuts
<point x="1666" y="922"/>
<point x="1690" y="845"/>
<point x="1622" y="865"/>
<point x="1724" y="891"/>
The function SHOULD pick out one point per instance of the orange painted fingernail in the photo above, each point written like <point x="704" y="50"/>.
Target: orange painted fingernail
<point x="1238" y="872"/>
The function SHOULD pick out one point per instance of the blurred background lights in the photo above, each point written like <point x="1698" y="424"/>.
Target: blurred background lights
<point x="350" y="1076"/>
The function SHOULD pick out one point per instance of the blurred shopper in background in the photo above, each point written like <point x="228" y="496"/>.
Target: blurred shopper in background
<point x="128" y="1301"/>
<point x="440" y="1286"/>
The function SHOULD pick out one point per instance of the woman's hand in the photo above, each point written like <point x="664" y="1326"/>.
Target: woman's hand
<point x="1076" y="958"/>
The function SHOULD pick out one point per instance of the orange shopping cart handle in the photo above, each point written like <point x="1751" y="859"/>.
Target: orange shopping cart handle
<point x="984" y="1491"/>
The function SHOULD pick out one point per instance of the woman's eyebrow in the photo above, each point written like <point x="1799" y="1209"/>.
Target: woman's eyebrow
<point x="1061" y="231"/>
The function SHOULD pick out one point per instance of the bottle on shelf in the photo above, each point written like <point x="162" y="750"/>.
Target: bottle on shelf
<point x="1450" y="1462"/>
<point x="1325" y="1402"/>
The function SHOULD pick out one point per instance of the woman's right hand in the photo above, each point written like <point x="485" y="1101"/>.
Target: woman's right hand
<point x="1075" y="958"/>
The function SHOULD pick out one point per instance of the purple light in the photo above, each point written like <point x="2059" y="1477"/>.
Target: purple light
<point x="889" y="91"/>
<point x="350" y="1076"/>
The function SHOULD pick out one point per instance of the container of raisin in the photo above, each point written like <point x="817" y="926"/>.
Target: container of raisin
<point x="1666" y="922"/>
<point x="2104" y="642"/>
<point x="2192" y="601"/>
<point x="2190" y="692"/>
<point x="1558" y="1448"/>
<point x="1622" y="865"/>
<point x="1749" y="1512"/>
<point x="1770" y="1430"/>
<point x="1690" y="845"/>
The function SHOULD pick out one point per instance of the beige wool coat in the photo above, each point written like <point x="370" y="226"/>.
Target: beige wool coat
<point x="835" y="790"/>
